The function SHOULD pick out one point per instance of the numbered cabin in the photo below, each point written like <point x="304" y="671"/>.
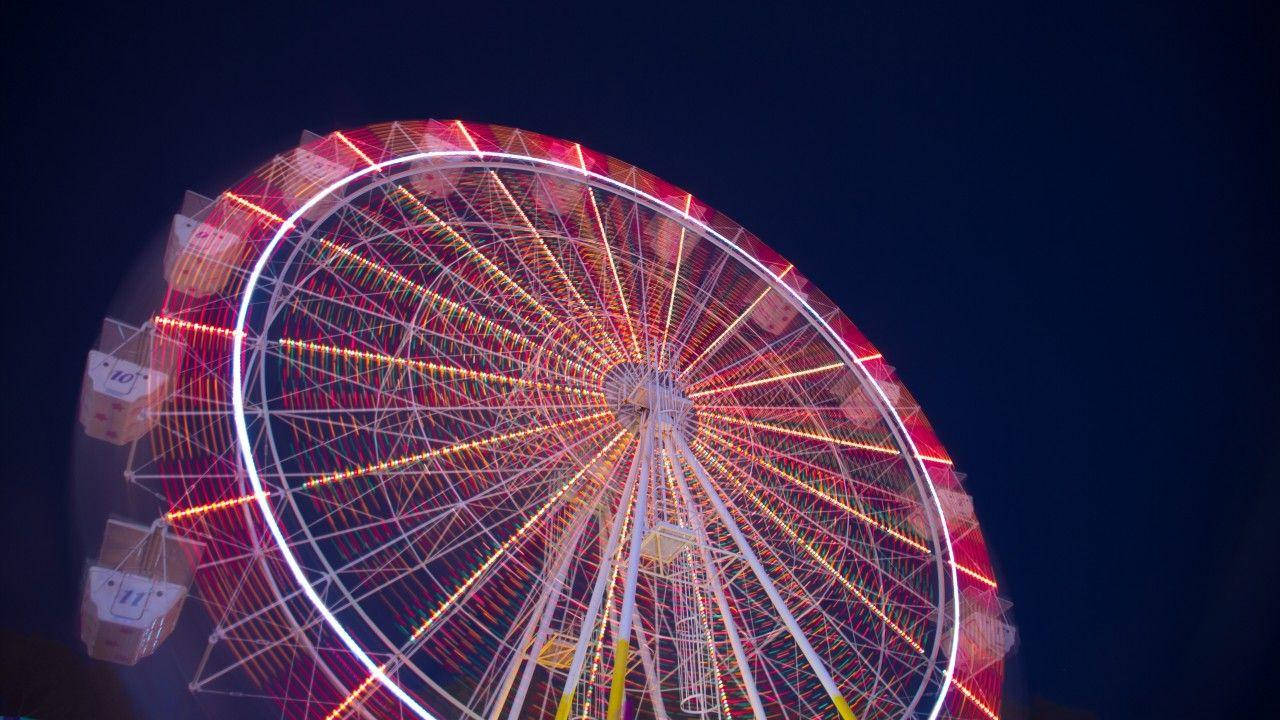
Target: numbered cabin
<point x="134" y="593"/>
<point x="127" y="377"/>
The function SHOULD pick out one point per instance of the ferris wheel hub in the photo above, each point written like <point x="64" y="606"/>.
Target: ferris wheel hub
<point x="639" y="393"/>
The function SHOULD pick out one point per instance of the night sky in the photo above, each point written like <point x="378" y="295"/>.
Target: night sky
<point x="1057" y="224"/>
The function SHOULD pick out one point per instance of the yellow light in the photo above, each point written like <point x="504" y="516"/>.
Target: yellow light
<point x="820" y="493"/>
<point x="726" y="441"/>
<point x="353" y="147"/>
<point x="705" y="618"/>
<point x="251" y="206"/>
<point x="675" y="283"/>
<point x="448" y="450"/>
<point x="164" y="321"/>
<point x="737" y="321"/>
<point x="542" y="245"/>
<point x="434" y="297"/>
<point x="342" y="706"/>
<point x="932" y="458"/>
<point x="822" y="560"/>
<point x="986" y="709"/>
<point x="467" y="135"/>
<point x="598" y="646"/>
<point x="473" y="253"/>
<point x="765" y="381"/>
<point x="975" y="575"/>
<point x="211" y="507"/>
<point x="808" y="434"/>
<point x="617" y="283"/>
<point x="506" y="545"/>
<point x="441" y="301"/>
<point x="433" y="368"/>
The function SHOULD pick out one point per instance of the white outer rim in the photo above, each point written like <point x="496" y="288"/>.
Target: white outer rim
<point x="242" y="429"/>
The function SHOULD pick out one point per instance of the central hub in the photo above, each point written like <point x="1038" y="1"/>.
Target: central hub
<point x="637" y="393"/>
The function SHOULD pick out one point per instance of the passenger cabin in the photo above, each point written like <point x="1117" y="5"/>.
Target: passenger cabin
<point x="427" y="180"/>
<point x="957" y="505"/>
<point x="957" y="508"/>
<point x="304" y="172"/>
<point x="986" y="635"/>
<point x="133" y="593"/>
<point x="126" y="378"/>
<point x="664" y="542"/>
<point x="663" y="235"/>
<point x="202" y="250"/>
<point x="854" y="403"/>
<point x="774" y="312"/>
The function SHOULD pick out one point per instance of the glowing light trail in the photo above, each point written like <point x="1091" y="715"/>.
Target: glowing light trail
<point x="430" y="368"/>
<point x="546" y="251"/>
<point x="474" y="254"/>
<point x="173" y="515"/>
<point x="519" y="533"/>
<point x="675" y="283"/>
<point x="704" y="617"/>
<point x="732" y="250"/>
<point x="932" y="458"/>
<point x="357" y="692"/>
<point x="436" y="298"/>
<point x="710" y="456"/>
<point x="869" y="520"/>
<point x="613" y="267"/>
<point x="766" y="381"/>
<point x="733" y="325"/>
<point x="448" y="450"/>
<point x="164" y="321"/>
<point x="968" y="694"/>
<point x="612" y="549"/>
<point x="713" y="580"/>
<point x="807" y="434"/>
<point x="457" y="237"/>
<point x="726" y="442"/>
<point x="338" y="134"/>
<point x="713" y="378"/>
<point x="814" y="660"/>
<point x="255" y="208"/>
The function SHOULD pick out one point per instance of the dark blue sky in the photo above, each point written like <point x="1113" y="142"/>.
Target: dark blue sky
<point x="1058" y="224"/>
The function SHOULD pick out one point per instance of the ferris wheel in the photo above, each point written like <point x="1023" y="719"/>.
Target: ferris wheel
<point x="451" y="420"/>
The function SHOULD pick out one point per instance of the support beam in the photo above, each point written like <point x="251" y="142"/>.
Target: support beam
<point x="757" y="568"/>
<point x="717" y="589"/>
<point x="622" y="643"/>
<point x="597" y="593"/>
<point x="539" y="622"/>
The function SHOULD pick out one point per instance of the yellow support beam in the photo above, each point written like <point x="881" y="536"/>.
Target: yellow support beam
<point x="621" y="656"/>
<point x="846" y="712"/>
<point x="566" y="705"/>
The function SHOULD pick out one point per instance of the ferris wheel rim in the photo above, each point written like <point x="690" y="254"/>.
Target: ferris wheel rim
<point x="915" y="462"/>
